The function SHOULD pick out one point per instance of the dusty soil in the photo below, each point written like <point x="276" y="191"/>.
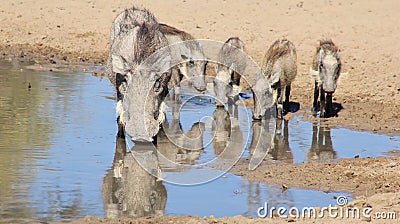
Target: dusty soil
<point x="70" y="32"/>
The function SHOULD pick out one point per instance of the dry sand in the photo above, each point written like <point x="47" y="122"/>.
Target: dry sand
<point x="74" y="31"/>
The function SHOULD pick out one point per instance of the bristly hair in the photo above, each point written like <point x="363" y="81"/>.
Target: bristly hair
<point x="167" y="29"/>
<point x="146" y="36"/>
<point x="130" y="16"/>
<point x="235" y="41"/>
<point x="278" y="48"/>
<point x="327" y="44"/>
<point x="147" y="13"/>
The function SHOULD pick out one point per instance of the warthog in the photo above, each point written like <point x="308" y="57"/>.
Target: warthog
<point x="139" y="68"/>
<point x="189" y="56"/>
<point x="279" y="66"/>
<point x="325" y="70"/>
<point x="231" y="65"/>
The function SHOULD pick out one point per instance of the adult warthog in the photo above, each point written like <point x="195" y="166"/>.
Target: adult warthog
<point x="231" y="65"/>
<point x="139" y="68"/>
<point x="325" y="70"/>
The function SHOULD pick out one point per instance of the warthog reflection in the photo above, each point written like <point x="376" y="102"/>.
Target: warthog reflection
<point x="131" y="187"/>
<point x="321" y="145"/>
<point x="228" y="138"/>
<point x="273" y="144"/>
<point x="176" y="147"/>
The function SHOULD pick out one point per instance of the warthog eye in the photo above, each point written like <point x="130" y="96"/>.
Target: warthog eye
<point x="191" y="62"/>
<point x="120" y="79"/>
<point x="158" y="86"/>
<point x="321" y="65"/>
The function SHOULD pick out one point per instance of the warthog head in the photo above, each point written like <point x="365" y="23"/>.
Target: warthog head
<point x="194" y="64"/>
<point x="145" y="63"/>
<point x="262" y="95"/>
<point x="327" y="67"/>
<point x="232" y="61"/>
<point x="221" y="84"/>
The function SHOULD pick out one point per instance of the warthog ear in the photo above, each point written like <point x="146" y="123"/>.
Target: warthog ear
<point x="338" y="54"/>
<point x="275" y="76"/>
<point x="321" y="54"/>
<point x="119" y="64"/>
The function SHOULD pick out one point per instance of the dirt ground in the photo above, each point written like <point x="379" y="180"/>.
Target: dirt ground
<point x="70" y="32"/>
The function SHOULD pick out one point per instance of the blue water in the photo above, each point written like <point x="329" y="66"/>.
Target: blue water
<point x="57" y="142"/>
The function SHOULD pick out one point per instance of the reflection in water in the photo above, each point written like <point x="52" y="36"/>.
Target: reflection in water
<point x="131" y="187"/>
<point x="221" y="127"/>
<point x="321" y="149"/>
<point x="176" y="147"/>
<point x="280" y="148"/>
<point x="228" y="138"/>
<point x="276" y="147"/>
<point x="55" y="142"/>
<point x="260" y="141"/>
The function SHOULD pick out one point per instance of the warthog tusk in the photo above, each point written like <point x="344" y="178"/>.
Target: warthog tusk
<point x="161" y="115"/>
<point x="235" y="90"/>
<point x="120" y="112"/>
<point x="161" y="118"/>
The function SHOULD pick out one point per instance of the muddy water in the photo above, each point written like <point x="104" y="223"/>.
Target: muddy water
<point x="60" y="159"/>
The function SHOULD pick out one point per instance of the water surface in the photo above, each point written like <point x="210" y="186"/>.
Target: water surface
<point x="58" y="147"/>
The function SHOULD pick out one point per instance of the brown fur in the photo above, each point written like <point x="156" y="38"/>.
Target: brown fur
<point x="282" y="55"/>
<point x="167" y="29"/>
<point x="234" y="41"/>
<point x="146" y="37"/>
<point x="328" y="46"/>
<point x="277" y="49"/>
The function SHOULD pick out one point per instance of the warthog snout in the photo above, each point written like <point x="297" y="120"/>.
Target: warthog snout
<point x="257" y="117"/>
<point x="199" y="83"/>
<point x="329" y="86"/>
<point x="262" y="96"/>
<point x="221" y="90"/>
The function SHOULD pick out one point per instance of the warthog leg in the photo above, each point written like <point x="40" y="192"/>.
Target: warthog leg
<point x="176" y="79"/>
<point x="286" y="104"/>
<point x="121" y="132"/>
<point x="120" y="119"/>
<point x="279" y="106"/>
<point x="316" y="95"/>
<point x="322" y="104"/>
<point x="329" y="106"/>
